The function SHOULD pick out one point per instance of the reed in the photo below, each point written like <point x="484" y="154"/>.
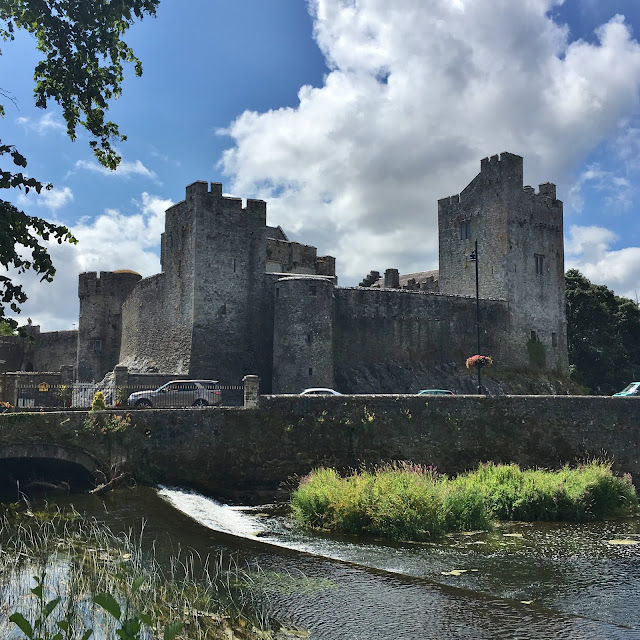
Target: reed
<point x="411" y="502"/>
<point x="62" y="576"/>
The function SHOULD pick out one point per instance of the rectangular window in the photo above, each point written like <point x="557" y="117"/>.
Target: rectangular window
<point x="95" y="344"/>
<point x="309" y="338"/>
<point x="313" y="290"/>
<point x="277" y="292"/>
<point x="534" y="336"/>
<point x="310" y="371"/>
<point x="554" y="339"/>
<point x="539" y="264"/>
<point x="465" y="230"/>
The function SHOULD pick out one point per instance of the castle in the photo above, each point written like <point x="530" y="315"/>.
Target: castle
<point x="236" y="297"/>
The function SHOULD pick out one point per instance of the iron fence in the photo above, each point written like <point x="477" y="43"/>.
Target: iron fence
<point x="172" y="395"/>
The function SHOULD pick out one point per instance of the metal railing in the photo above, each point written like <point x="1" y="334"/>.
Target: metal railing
<point x="80" y="395"/>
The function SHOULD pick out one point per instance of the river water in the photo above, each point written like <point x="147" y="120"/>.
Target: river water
<point x="519" y="581"/>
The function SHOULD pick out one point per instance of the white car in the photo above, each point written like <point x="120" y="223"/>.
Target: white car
<point x="179" y="393"/>
<point x="320" y="391"/>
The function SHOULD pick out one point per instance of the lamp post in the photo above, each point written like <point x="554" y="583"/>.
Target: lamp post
<point x="474" y="258"/>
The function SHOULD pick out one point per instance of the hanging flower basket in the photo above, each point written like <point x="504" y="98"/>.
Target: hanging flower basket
<point x="479" y="361"/>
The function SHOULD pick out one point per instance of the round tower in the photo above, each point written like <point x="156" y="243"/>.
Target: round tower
<point x="303" y="333"/>
<point x="100" y="323"/>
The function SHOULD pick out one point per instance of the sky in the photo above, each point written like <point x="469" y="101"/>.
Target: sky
<point x="351" y="118"/>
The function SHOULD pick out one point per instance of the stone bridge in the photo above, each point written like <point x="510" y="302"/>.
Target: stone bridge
<point x="238" y="451"/>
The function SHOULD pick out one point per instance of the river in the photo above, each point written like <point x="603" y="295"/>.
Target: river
<point x="520" y="581"/>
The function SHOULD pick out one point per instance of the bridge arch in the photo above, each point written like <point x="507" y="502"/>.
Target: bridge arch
<point x="32" y="451"/>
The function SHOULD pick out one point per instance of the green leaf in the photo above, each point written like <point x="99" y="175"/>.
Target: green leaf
<point x="172" y="630"/>
<point x="23" y="624"/>
<point x="146" y="619"/>
<point x="87" y="634"/>
<point x="63" y="624"/>
<point x="50" y="606"/>
<point x="108" y="603"/>
<point x="137" y="583"/>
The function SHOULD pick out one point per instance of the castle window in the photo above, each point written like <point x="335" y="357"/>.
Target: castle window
<point x="309" y="338"/>
<point x="277" y="292"/>
<point x="534" y="336"/>
<point x="313" y="290"/>
<point x="234" y="265"/>
<point x="554" y="339"/>
<point x="465" y="230"/>
<point x="95" y="344"/>
<point x="539" y="264"/>
<point x="310" y="371"/>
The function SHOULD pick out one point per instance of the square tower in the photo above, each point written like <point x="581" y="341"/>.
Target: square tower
<point x="520" y="256"/>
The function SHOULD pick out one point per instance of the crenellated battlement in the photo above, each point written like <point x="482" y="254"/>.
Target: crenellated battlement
<point x="108" y="283"/>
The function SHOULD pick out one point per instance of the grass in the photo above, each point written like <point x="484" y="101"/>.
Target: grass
<point x="412" y="502"/>
<point x="64" y="574"/>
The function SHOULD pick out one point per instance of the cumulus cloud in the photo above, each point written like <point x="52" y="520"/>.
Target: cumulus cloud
<point x="589" y="250"/>
<point x="616" y="189"/>
<point x="416" y="94"/>
<point x="43" y="125"/>
<point x="52" y="199"/>
<point x="113" y="240"/>
<point x="125" y="169"/>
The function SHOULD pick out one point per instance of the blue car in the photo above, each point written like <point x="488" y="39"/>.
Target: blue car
<point x="632" y="389"/>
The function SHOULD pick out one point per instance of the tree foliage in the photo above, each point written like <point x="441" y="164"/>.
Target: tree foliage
<point x="82" y="70"/>
<point x="603" y="332"/>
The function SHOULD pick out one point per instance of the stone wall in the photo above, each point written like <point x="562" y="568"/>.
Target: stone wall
<point x="55" y="349"/>
<point x="412" y="329"/>
<point x="153" y="336"/>
<point x="224" y="450"/>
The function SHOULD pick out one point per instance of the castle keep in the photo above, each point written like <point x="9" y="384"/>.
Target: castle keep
<point x="236" y="297"/>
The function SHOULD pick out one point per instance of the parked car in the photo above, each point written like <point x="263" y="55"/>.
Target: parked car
<point x="320" y="391"/>
<point x="179" y="393"/>
<point x="436" y="392"/>
<point x="632" y="389"/>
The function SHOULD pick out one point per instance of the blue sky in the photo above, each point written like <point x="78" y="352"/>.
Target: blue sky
<point x="350" y="118"/>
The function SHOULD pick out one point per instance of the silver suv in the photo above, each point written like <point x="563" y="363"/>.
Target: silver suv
<point x="179" y="393"/>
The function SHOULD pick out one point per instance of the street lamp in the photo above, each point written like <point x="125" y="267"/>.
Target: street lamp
<point x="474" y="258"/>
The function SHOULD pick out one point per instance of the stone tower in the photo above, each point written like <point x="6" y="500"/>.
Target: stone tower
<point x="520" y="256"/>
<point x="213" y="255"/>
<point x="303" y="333"/>
<point x="100" y="322"/>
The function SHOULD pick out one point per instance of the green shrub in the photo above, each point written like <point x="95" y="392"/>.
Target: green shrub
<point x="408" y="502"/>
<point x="98" y="403"/>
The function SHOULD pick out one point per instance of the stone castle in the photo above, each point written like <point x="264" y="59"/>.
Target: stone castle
<point x="236" y="297"/>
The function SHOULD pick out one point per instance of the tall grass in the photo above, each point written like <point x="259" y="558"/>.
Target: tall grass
<point x="79" y="561"/>
<point x="412" y="502"/>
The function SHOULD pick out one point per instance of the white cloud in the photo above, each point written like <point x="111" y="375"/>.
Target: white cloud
<point x="617" y="190"/>
<point x="52" y="199"/>
<point x="589" y="250"/>
<point x="43" y="125"/>
<point x="418" y="92"/>
<point x="113" y="240"/>
<point x="125" y="169"/>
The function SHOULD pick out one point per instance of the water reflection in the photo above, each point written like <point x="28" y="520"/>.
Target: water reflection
<point x="580" y="586"/>
<point x="568" y="568"/>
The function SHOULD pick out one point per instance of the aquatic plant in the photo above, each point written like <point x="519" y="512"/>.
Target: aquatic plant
<point x="412" y="502"/>
<point x="90" y="579"/>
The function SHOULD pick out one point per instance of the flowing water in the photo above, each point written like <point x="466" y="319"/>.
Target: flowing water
<point x="519" y="581"/>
